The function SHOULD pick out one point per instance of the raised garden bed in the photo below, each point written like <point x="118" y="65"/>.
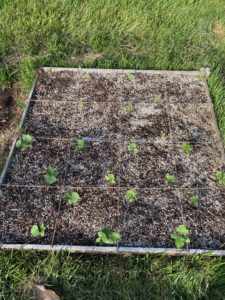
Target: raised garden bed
<point x="154" y="131"/>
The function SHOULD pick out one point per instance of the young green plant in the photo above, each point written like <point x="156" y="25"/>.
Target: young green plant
<point x="129" y="107"/>
<point x="110" y="178"/>
<point x="194" y="200"/>
<point x="50" y="175"/>
<point x="106" y="236"/>
<point x="133" y="148"/>
<point x="130" y="75"/>
<point x="158" y="97"/>
<point x="220" y="177"/>
<point x="170" y="178"/>
<point x="187" y="148"/>
<point x="71" y="198"/>
<point x="38" y="230"/>
<point x="132" y="195"/>
<point x="79" y="145"/>
<point x="181" y="236"/>
<point x="25" y="142"/>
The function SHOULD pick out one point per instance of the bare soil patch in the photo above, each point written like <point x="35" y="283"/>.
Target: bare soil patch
<point x="157" y="112"/>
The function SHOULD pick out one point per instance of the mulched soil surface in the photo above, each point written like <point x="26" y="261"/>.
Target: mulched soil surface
<point x="109" y="111"/>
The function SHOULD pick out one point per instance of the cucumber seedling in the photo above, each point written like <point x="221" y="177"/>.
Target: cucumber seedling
<point x="110" y="178"/>
<point x="181" y="236"/>
<point x="38" y="230"/>
<point x="71" y="198"/>
<point x="132" y="195"/>
<point x="24" y="142"/>
<point x="194" y="200"/>
<point x="79" y="145"/>
<point x="187" y="148"/>
<point x="133" y="148"/>
<point x="170" y="178"/>
<point x="50" y="175"/>
<point x="106" y="236"/>
<point x="220" y="177"/>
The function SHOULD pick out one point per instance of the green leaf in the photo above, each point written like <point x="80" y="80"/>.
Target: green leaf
<point x="133" y="148"/>
<point x="115" y="236"/>
<point x="35" y="231"/>
<point x="42" y="230"/>
<point x="130" y="75"/>
<point x="71" y="198"/>
<point x="129" y="107"/>
<point x="27" y="138"/>
<point x="50" y="179"/>
<point x="103" y="238"/>
<point x="220" y="177"/>
<point x="106" y="236"/>
<point x="1" y="194"/>
<point x="51" y="171"/>
<point x="170" y="178"/>
<point x="131" y="195"/>
<point x="157" y="97"/>
<point x="79" y="145"/>
<point x="179" y="241"/>
<point x="110" y="178"/>
<point x="18" y="144"/>
<point x="194" y="200"/>
<point x="50" y="175"/>
<point x="187" y="148"/>
<point x="182" y="230"/>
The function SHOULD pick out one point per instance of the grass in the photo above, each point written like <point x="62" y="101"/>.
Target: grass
<point x="140" y="34"/>
<point x="112" y="277"/>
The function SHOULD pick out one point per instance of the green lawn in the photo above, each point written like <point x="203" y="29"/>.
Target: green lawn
<point x="140" y="34"/>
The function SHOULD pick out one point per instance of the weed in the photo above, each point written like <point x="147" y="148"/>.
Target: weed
<point x="129" y="107"/>
<point x="181" y="236"/>
<point x="1" y="194"/>
<point x="130" y="75"/>
<point x="50" y="175"/>
<point x="79" y="145"/>
<point x="133" y="148"/>
<point x="157" y="97"/>
<point x="187" y="148"/>
<point x="131" y="195"/>
<point x="194" y="200"/>
<point x="162" y="134"/>
<point x="81" y="104"/>
<point x="106" y="236"/>
<point x="86" y="76"/>
<point x="71" y="198"/>
<point x="170" y="178"/>
<point x="24" y="142"/>
<point x="38" y="230"/>
<point x="110" y="178"/>
<point x="220" y="177"/>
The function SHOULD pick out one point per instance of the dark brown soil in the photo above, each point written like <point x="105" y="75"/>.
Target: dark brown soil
<point x="109" y="111"/>
<point x="192" y="123"/>
<point x="89" y="166"/>
<point x="147" y="168"/>
<point x="206" y="223"/>
<point x="29" y="166"/>
<point x="97" y="208"/>
<point x="26" y="206"/>
<point x="198" y="168"/>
